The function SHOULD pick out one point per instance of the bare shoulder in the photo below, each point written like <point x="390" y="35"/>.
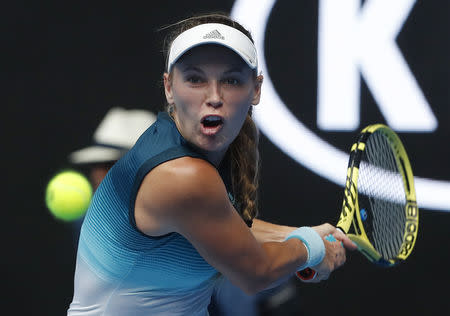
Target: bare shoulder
<point x="176" y="190"/>
<point x="183" y="177"/>
<point x="187" y="168"/>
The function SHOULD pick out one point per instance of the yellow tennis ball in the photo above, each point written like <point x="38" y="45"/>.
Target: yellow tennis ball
<point x="68" y="195"/>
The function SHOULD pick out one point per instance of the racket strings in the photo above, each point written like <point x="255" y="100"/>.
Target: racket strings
<point x="382" y="196"/>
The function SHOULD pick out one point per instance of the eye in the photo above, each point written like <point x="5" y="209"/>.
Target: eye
<point x="232" y="81"/>
<point x="195" y="79"/>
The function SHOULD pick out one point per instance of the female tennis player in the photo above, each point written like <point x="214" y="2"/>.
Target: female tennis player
<point x="176" y="213"/>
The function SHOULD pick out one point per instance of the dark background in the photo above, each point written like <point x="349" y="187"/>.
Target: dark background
<point x="66" y="63"/>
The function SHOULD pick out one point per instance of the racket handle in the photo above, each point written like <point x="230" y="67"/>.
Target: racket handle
<point x="308" y="273"/>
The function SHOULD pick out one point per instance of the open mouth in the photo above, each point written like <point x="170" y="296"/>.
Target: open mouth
<point x="212" y="121"/>
<point x="211" y="124"/>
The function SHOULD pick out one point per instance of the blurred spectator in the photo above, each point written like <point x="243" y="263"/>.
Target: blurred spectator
<point x="116" y="134"/>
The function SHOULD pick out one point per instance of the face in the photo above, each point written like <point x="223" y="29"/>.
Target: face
<point x="211" y="89"/>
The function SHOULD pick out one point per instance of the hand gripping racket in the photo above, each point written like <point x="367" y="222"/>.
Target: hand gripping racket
<point x="379" y="211"/>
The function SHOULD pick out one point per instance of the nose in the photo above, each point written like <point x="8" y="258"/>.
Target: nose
<point x="214" y="95"/>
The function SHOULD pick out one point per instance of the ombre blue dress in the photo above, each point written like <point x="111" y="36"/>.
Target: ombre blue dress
<point x="121" y="271"/>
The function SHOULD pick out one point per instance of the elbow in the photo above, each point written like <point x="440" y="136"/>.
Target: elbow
<point x="251" y="288"/>
<point x="254" y="287"/>
<point x="250" y="291"/>
<point x="259" y="281"/>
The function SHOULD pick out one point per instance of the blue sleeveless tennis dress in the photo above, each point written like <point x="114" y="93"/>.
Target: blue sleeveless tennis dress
<point x="121" y="271"/>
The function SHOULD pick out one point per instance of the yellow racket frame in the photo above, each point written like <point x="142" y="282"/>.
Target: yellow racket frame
<point x="350" y="215"/>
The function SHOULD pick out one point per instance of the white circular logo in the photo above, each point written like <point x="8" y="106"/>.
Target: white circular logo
<point x="278" y="123"/>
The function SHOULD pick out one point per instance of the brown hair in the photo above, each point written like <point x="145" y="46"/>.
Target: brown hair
<point x="243" y="151"/>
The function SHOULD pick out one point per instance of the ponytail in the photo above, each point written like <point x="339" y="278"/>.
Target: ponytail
<point x="245" y="162"/>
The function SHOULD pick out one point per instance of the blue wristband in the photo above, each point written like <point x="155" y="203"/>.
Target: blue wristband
<point x="314" y="244"/>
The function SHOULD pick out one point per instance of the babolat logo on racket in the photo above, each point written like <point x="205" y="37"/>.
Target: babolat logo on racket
<point x="350" y="198"/>
<point x="412" y="215"/>
<point x="349" y="203"/>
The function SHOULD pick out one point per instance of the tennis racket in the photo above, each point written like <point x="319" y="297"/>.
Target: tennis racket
<point x="379" y="211"/>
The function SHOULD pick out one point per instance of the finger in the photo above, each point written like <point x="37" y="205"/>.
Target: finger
<point x="339" y="257"/>
<point x="332" y="239"/>
<point x="342" y="258"/>
<point x="326" y="229"/>
<point x="348" y="244"/>
<point x="339" y="234"/>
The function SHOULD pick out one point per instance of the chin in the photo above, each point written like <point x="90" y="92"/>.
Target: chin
<point x="211" y="146"/>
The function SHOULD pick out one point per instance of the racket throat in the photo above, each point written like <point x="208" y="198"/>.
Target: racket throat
<point x="369" y="251"/>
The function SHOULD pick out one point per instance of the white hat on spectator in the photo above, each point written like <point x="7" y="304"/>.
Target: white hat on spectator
<point x="116" y="134"/>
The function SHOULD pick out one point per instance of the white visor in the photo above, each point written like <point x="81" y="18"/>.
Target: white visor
<point x="213" y="33"/>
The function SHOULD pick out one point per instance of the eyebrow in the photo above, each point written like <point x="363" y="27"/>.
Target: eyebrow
<point x="234" y="69"/>
<point x="195" y="68"/>
<point x="191" y="67"/>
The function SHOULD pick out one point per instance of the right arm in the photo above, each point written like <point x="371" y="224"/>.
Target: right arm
<point x="265" y="231"/>
<point x="187" y="196"/>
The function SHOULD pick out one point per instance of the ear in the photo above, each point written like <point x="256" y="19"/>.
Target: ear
<point x="258" y="84"/>
<point x="168" y="88"/>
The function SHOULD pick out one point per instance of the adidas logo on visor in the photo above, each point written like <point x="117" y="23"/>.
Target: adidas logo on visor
<point x="214" y="34"/>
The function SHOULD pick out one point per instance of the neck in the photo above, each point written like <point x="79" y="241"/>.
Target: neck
<point x="215" y="157"/>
